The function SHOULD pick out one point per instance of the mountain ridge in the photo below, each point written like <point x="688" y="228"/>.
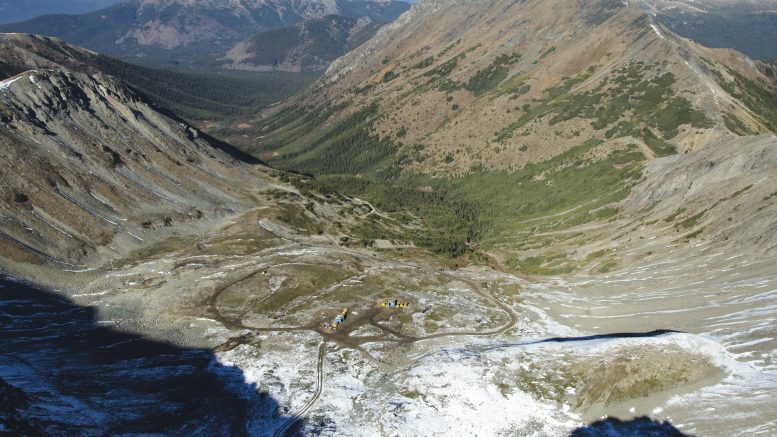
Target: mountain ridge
<point x="441" y="99"/>
<point x="112" y="172"/>
<point x="192" y="95"/>
<point x="191" y="33"/>
<point x="455" y="100"/>
<point x="14" y="11"/>
<point x="96" y="173"/>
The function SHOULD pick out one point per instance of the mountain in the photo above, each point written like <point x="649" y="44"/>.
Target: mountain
<point x="93" y="168"/>
<point x="492" y="87"/>
<point x="194" y="95"/>
<point x="749" y="26"/>
<point x="96" y="172"/>
<point x="545" y="105"/>
<point x="14" y="10"/>
<point x="310" y="45"/>
<point x="191" y="32"/>
<point x="581" y="285"/>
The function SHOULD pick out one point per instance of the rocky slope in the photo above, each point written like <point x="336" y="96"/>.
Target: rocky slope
<point x="93" y="170"/>
<point x="193" y="95"/>
<point x="22" y="52"/>
<point x="502" y="85"/>
<point x="191" y="33"/>
<point x="718" y="200"/>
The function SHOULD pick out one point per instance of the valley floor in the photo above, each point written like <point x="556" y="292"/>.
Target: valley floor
<point x="689" y="340"/>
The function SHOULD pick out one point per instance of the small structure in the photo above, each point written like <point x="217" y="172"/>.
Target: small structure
<point x="340" y="318"/>
<point x="394" y="304"/>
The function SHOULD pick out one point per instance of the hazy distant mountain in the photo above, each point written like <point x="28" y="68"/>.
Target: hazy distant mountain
<point x="18" y="10"/>
<point x="192" y="32"/>
<point x="308" y="46"/>
<point x="749" y="26"/>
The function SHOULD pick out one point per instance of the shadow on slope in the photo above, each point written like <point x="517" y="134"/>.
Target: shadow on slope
<point x="615" y="335"/>
<point x="638" y="427"/>
<point x="612" y="336"/>
<point x="63" y="372"/>
<point x="232" y="151"/>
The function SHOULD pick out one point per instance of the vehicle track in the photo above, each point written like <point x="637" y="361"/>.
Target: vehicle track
<point x="413" y="339"/>
<point x="343" y="337"/>
<point x="298" y="416"/>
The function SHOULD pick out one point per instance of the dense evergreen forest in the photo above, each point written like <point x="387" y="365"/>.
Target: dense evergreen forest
<point x="212" y="95"/>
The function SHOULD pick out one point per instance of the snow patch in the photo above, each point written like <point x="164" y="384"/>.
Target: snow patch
<point x="6" y="84"/>
<point x="655" y="29"/>
<point x="446" y="393"/>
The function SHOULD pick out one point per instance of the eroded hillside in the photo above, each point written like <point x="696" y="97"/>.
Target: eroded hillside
<point x="90" y="164"/>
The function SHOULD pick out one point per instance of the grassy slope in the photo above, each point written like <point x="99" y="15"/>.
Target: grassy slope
<point x="501" y="212"/>
<point x="514" y="215"/>
<point x="620" y="104"/>
<point x="493" y="209"/>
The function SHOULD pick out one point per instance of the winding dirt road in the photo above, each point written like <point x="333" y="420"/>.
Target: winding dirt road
<point x="343" y="336"/>
<point x="296" y="417"/>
